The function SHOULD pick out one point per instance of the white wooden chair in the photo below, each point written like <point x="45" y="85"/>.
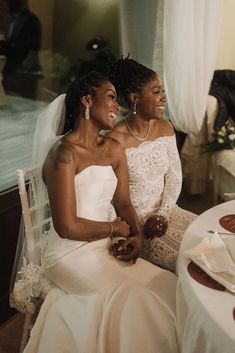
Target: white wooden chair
<point x="200" y="167"/>
<point x="27" y="179"/>
<point x="223" y="176"/>
<point x="222" y="162"/>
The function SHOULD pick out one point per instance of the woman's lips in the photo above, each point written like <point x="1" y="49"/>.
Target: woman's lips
<point x="113" y="115"/>
<point x="161" y="108"/>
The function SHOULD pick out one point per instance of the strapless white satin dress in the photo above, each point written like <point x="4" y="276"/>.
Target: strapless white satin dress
<point x="104" y="305"/>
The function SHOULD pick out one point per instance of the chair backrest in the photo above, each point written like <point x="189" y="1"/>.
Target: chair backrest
<point x="27" y="182"/>
<point x="28" y="190"/>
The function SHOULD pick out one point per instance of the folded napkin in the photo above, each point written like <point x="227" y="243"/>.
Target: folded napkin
<point x="216" y="256"/>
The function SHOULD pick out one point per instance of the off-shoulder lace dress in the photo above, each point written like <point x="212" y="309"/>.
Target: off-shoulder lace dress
<point x="155" y="180"/>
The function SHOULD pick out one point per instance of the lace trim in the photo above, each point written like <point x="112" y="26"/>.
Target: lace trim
<point x="149" y="142"/>
<point x="164" y="251"/>
<point x="28" y="288"/>
<point x="155" y="176"/>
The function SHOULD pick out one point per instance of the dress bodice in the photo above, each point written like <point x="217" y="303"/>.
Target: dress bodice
<point x="154" y="176"/>
<point x="95" y="187"/>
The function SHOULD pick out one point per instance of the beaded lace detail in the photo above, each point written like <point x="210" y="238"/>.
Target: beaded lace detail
<point x="155" y="180"/>
<point x="29" y="288"/>
<point x="155" y="176"/>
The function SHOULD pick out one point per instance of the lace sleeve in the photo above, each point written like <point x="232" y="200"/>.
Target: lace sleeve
<point x="173" y="180"/>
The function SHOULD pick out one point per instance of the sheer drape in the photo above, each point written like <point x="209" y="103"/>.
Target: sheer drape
<point x="137" y="25"/>
<point x="158" y="44"/>
<point x="191" y="35"/>
<point x="179" y="40"/>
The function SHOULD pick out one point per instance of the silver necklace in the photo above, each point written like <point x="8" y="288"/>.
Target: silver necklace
<point x="136" y="137"/>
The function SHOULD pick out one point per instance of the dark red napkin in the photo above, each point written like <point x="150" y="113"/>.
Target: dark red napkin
<point x="202" y="277"/>
<point x="228" y="222"/>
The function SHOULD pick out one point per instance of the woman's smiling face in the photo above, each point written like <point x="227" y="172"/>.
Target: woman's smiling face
<point x="104" y="107"/>
<point x="151" y="99"/>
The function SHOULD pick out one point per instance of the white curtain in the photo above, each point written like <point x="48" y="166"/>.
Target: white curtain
<point x="157" y="57"/>
<point x="179" y="40"/>
<point x="137" y="26"/>
<point x="191" y="35"/>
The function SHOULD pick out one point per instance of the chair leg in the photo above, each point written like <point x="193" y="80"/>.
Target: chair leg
<point x="26" y="331"/>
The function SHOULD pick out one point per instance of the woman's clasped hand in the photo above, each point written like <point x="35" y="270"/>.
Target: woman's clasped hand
<point x="155" y="226"/>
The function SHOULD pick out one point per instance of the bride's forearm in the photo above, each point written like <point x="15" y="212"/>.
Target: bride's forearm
<point x="82" y="229"/>
<point x="127" y="213"/>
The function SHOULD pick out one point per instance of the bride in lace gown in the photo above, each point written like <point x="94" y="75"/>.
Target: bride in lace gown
<point x="155" y="177"/>
<point x="103" y="301"/>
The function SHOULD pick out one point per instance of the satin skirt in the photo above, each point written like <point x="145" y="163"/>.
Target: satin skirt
<point x="105" y="305"/>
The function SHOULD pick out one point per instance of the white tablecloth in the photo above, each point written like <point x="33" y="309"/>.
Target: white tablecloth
<point x="205" y="316"/>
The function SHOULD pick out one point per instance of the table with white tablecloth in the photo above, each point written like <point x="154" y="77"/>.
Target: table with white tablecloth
<point x="205" y="315"/>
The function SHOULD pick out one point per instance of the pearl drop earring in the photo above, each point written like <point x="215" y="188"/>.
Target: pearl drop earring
<point x="134" y="109"/>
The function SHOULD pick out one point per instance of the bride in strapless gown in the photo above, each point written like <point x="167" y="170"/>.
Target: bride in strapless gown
<point x="113" y="306"/>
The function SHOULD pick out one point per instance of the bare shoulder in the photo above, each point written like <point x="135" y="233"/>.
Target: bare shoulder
<point x="115" y="151"/>
<point x="114" y="146"/>
<point x="61" y="153"/>
<point x="119" y="133"/>
<point x="164" y="127"/>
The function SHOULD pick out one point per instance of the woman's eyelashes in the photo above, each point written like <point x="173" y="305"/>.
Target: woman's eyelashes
<point x="112" y="96"/>
<point x="158" y="92"/>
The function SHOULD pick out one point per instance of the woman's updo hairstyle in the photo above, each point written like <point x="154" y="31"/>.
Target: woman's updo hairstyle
<point x="82" y="86"/>
<point x="130" y="76"/>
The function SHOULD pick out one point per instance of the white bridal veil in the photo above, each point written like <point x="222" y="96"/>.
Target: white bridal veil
<point x="27" y="278"/>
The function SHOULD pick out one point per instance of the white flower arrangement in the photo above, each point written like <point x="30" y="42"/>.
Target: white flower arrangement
<point x="223" y="138"/>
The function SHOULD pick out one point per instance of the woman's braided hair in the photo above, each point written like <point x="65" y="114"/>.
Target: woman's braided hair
<point x="129" y="76"/>
<point x="82" y="86"/>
